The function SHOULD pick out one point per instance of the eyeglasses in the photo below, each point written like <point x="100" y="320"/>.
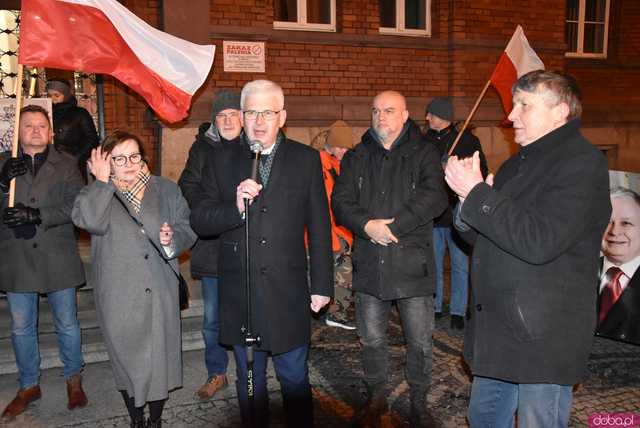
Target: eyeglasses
<point x="267" y="115"/>
<point x="121" y="160"/>
<point x="223" y="116"/>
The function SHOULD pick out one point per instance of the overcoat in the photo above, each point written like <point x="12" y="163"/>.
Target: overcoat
<point x="404" y="183"/>
<point x="293" y="200"/>
<point x="49" y="261"/>
<point x="623" y="319"/>
<point x="535" y="260"/>
<point x="135" y="291"/>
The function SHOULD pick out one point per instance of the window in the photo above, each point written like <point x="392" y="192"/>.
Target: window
<point x="305" y="15"/>
<point x="586" y="28"/>
<point x="405" y="17"/>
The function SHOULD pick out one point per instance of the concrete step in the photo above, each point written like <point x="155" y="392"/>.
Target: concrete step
<point x="93" y="348"/>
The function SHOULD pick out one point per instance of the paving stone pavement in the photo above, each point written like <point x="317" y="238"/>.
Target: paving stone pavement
<point x="612" y="385"/>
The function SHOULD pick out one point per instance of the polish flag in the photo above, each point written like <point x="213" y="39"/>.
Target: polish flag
<point x="102" y="36"/>
<point x="516" y="60"/>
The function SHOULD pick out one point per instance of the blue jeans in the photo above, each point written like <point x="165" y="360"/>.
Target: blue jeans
<point x="24" y="333"/>
<point x="442" y="238"/>
<point x="372" y="318"/>
<point x="215" y="355"/>
<point x="292" y="372"/>
<point x="493" y="404"/>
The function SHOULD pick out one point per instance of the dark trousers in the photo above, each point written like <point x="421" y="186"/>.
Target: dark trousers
<point x="292" y="372"/>
<point x="372" y="317"/>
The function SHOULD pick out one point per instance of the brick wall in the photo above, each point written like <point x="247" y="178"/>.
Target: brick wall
<point x="335" y="74"/>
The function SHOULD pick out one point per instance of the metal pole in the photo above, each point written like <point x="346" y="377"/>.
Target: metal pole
<point x="100" y="102"/>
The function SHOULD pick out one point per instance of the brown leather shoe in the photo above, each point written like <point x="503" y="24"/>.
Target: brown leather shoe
<point x="21" y="401"/>
<point x="211" y="386"/>
<point x="77" y="397"/>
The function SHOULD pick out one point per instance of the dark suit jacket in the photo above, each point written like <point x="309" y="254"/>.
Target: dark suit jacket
<point x="623" y="319"/>
<point x="294" y="200"/>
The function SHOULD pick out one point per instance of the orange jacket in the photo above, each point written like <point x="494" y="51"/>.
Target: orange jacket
<point x="330" y="170"/>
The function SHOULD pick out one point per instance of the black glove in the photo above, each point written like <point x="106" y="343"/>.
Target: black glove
<point x="12" y="168"/>
<point x="21" y="215"/>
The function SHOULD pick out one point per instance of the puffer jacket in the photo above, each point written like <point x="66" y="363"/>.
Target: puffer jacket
<point x="403" y="183"/>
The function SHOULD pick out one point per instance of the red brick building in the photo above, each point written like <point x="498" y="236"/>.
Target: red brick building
<point x="330" y="70"/>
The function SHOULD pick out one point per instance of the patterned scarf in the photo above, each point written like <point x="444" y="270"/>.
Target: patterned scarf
<point x="266" y="161"/>
<point x="134" y="193"/>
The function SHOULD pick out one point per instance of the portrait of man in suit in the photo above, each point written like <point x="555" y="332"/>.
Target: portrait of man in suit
<point x="619" y="288"/>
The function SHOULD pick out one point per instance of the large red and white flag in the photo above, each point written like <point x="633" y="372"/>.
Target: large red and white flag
<point x="516" y="60"/>
<point x="102" y="36"/>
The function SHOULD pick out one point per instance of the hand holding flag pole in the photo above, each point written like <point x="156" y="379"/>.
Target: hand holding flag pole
<point x="16" y="133"/>
<point x="517" y="60"/>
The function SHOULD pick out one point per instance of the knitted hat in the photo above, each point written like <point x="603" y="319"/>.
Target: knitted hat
<point x="59" y="85"/>
<point x="225" y="99"/>
<point x="340" y="135"/>
<point x="441" y="107"/>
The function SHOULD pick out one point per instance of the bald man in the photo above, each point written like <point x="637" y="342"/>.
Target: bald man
<point x="388" y="193"/>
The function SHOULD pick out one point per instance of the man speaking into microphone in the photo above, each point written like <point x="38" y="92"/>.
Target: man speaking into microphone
<point x="286" y="198"/>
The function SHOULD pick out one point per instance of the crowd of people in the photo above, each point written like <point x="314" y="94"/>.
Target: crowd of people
<point x="333" y="226"/>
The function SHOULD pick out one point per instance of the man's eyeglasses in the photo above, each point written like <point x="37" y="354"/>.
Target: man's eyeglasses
<point x="121" y="160"/>
<point x="268" y="115"/>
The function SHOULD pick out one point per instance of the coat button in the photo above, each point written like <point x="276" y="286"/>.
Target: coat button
<point x="382" y="261"/>
<point x="147" y="290"/>
<point x="263" y="209"/>
<point x="263" y="241"/>
<point x="623" y="336"/>
<point x="486" y="209"/>
<point x="35" y="245"/>
<point x="263" y="270"/>
<point x="478" y="307"/>
<point x="32" y="200"/>
<point x="146" y="256"/>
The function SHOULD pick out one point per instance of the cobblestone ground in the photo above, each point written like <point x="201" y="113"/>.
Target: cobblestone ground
<point x="613" y="385"/>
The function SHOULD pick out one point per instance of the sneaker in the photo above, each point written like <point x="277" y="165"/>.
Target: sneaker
<point x="211" y="386"/>
<point x="338" y="320"/>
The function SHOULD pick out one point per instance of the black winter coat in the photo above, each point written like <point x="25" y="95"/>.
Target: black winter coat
<point x="204" y="255"/>
<point x="295" y="200"/>
<point x="74" y="130"/>
<point x="404" y="183"/>
<point x="468" y="144"/>
<point x="535" y="260"/>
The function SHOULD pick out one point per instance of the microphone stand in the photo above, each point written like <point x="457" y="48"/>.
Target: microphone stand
<point x="251" y="339"/>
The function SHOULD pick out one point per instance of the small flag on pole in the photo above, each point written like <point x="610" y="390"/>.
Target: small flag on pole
<point x="102" y="36"/>
<point x="517" y="59"/>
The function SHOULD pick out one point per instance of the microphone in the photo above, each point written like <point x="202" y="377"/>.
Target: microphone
<point x="256" y="148"/>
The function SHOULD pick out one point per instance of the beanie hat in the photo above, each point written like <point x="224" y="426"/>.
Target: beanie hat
<point x="225" y="99"/>
<point x="441" y="107"/>
<point x="59" y="85"/>
<point x="340" y="135"/>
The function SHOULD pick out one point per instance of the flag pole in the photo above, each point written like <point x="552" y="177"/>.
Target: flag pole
<point x="471" y="113"/>
<point x="16" y="129"/>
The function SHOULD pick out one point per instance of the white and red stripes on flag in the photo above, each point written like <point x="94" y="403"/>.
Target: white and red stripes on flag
<point x="102" y="36"/>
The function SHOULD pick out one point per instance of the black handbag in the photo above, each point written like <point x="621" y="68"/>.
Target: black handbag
<point x="183" y="288"/>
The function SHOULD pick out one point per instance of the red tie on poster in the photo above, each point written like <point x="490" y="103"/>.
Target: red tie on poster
<point x="611" y="292"/>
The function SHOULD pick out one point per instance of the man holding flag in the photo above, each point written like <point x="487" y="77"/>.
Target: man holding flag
<point x="537" y="230"/>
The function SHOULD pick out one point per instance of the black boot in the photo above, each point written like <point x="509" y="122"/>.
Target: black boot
<point x="154" y="424"/>
<point x="135" y="423"/>
<point x="420" y="417"/>
<point x="370" y="416"/>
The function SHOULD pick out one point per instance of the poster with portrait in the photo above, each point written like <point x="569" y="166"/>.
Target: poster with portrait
<point x="619" y="286"/>
<point x="8" y="114"/>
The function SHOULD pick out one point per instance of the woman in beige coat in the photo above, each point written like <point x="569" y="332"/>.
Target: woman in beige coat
<point x="136" y="292"/>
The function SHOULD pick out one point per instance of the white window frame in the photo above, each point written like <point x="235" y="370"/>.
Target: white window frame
<point x="400" y="30"/>
<point x="581" y="22"/>
<point x="302" y="25"/>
